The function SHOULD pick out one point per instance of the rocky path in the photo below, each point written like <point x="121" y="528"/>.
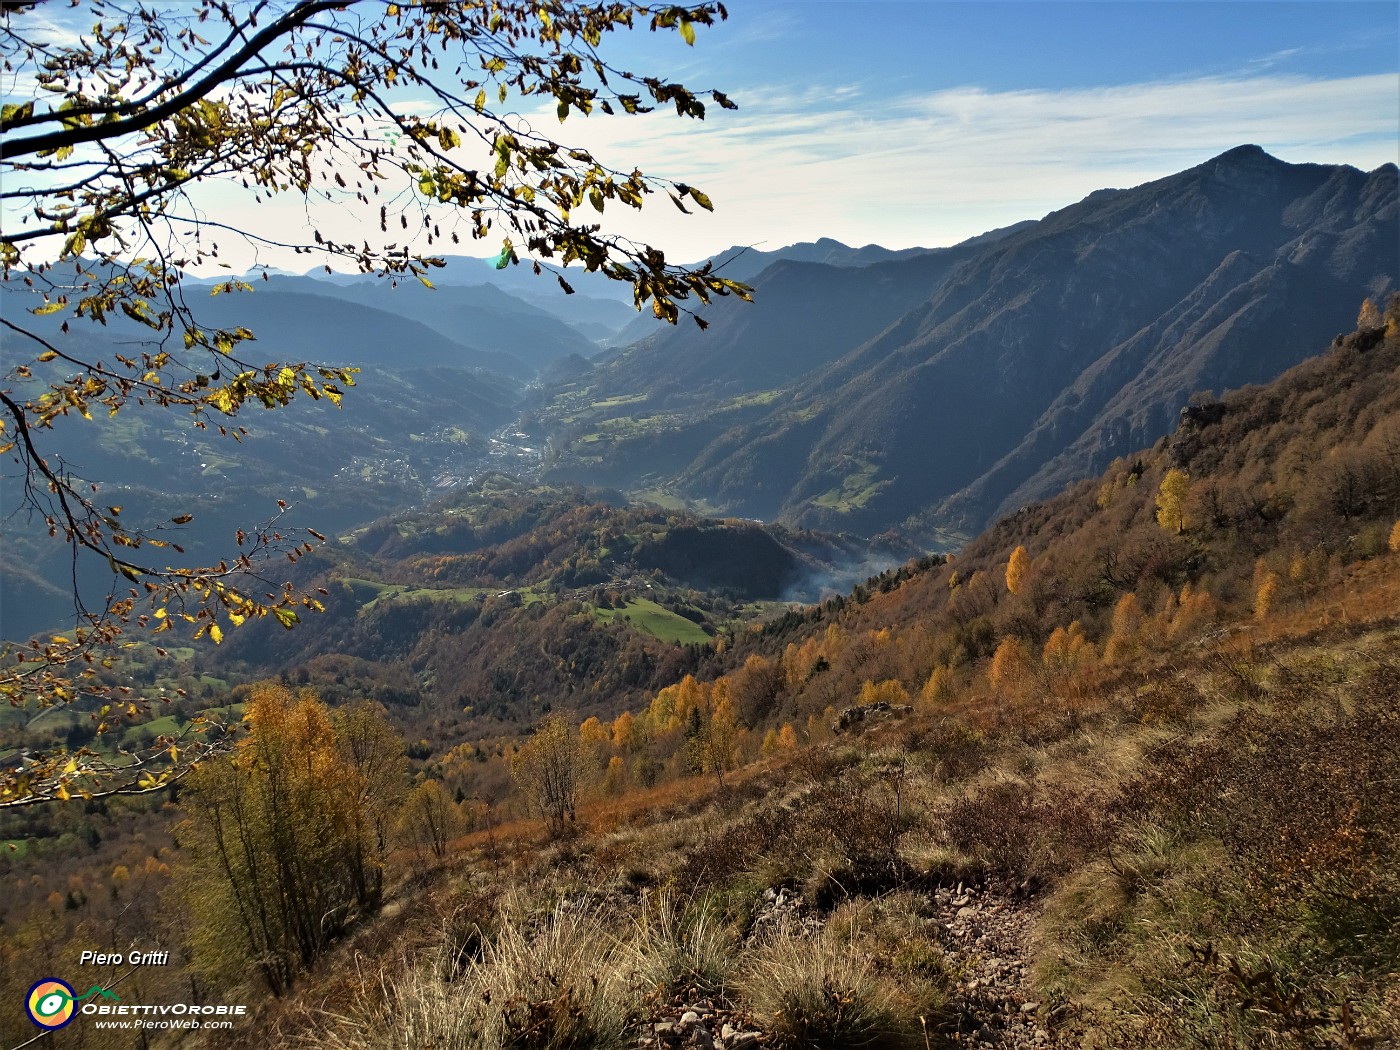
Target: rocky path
<point x="702" y="1026"/>
<point x="986" y="935"/>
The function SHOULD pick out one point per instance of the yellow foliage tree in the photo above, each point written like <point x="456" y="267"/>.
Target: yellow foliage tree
<point x="1124" y="637"/>
<point x="624" y="732"/>
<point x="1009" y="666"/>
<point x="1171" y="500"/>
<point x="1185" y="614"/>
<point x="431" y="818"/>
<point x="889" y="691"/>
<point x="939" y="687"/>
<point x="1067" y="651"/>
<point x="1395" y="537"/>
<point x="1266" y="595"/>
<point x="715" y="745"/>
<point x="615" y="777"/>
<point x="280" y="839"/>
<point x="373" y="753"/>
<point x="592" y="732"/>
<point x="787" y="737"/>
<point x="1016" y="569"/>
<point x="549" y="769"/>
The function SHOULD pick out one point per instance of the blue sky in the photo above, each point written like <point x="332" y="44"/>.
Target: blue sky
<point x="893" y="46"/>
<point x="925" y="122"/>
<point x="906" y="123"/>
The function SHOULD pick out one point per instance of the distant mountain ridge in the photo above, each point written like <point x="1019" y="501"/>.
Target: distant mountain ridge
<point x="1032" y="360"/>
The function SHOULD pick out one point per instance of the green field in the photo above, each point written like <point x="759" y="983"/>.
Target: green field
<point x="645" y="615"/>
<point x="169" y="725"/>
<point x="668" y="500"/>
<point x="855" y="491"/>
<point x="368" y="593"/>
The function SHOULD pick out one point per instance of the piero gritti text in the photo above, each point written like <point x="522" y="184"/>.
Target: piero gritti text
<point x="136" y="958"/>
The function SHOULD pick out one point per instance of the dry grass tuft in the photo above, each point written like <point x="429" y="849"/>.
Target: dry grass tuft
<point x="678" y="951"/>
<point x="563" y="984"/>
<point x="841" y="988"/>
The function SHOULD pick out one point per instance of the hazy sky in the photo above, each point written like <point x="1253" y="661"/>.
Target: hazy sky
<point x="907" y="123"/>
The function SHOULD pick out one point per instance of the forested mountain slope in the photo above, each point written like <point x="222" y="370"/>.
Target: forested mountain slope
<point x="1034" y="362"/>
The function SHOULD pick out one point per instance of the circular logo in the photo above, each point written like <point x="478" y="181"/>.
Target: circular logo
<point x="50" y="1003"/>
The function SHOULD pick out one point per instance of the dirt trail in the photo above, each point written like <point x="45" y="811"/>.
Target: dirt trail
<point x="987" y="937"/>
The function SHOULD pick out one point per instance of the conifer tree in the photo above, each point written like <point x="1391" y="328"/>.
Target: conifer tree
<point x="282" y="838"/>
<point x="1016" y="569"/>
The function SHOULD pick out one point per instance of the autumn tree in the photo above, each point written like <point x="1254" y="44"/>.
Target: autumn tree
<point x="717" y="739"/>
<point x="430" y="819"/>
<point x="939" y="686"/>
<point x="1266" y="591"/>
<point x="409" y="114"/>
<point x="373" y="785"/>
<point x="888" y="691"/>
<point x="1010" y="665"/>
<point x="1016" y="569"/>
<point x="1124" y="637"/>
<point x="549" y="769"/>
<point x="1171" y="500"/>
<point x="281" y="837"/>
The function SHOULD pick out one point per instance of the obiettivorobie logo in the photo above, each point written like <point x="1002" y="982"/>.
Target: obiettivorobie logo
<point x="52" y="1003"/>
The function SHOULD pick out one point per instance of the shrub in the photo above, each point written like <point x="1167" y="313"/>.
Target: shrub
<point x="829" y="992"/>
<point x="1013" y="832"/>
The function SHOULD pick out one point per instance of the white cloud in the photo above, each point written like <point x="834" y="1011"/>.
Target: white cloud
<point x="933" y="168"/>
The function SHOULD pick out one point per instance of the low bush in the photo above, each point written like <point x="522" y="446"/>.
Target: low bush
<point x="834" y="991"/>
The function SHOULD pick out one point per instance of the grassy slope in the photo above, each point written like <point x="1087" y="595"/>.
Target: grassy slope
<point x="1200" y="830"/>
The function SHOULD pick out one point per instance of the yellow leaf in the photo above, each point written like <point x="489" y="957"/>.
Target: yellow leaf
<point x="216" y="634"/>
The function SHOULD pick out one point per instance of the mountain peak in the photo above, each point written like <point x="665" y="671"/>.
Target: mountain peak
<point x="1246" y="154"/>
